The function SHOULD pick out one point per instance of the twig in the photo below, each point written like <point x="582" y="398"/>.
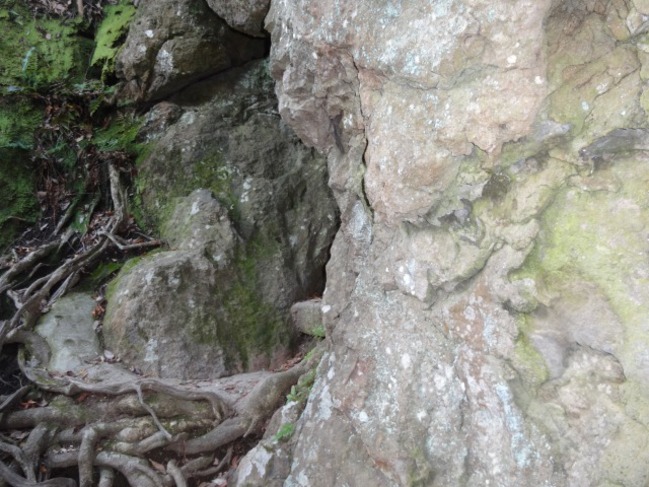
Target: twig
<point x="14" y="398"/>
<point x="123" y="245"/>
<point x="37" y="442"/>
<point x="225" y="461"/>
<point x="17" y="481"/>
<point x="106" y="477"/>
<point x="176" y="474"/>
<point x="118" y="196"/>
<point x="148" y="409"/>
<point x="26" y="263"/>
<point x="20" y="457"/>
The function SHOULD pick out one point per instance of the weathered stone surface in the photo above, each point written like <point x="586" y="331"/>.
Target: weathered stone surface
<point x="185" y="313"/>
<point x="69" y="331"/>
<point x="274" y="188"/>
<point x="487" y="288"/>
<point x="269" y="463"/>
<point x="244" y="15"/>
<point x="162" y="319"/>
<point x="242" y="250"/>
<point x="307" y="317"/>
<point x="171" y="44"/>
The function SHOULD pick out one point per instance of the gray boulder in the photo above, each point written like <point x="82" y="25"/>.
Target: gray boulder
<point x="231" y="140"/>
<point x="68" y="327"/>
<point x="242" y="249"/>
<point x="171" y="44"/>
<point x="246" y="16"/>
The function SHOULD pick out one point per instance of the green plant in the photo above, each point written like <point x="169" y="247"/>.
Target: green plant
<point x="300" y="392"/>
<point x="318" y="331"/>
<point x="110" y="34"/>
<point x="39" y="52"/>
<point x="285" y="432"/>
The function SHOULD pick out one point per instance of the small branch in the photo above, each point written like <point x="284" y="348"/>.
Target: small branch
<point x="192" y="467"/>
<point x="225" y="461"/>
<point x="26" y="263"/>
<point x="69" y="283"/>
<point x="176" y="474"/>
<point x="37" y="442"/>
<point x="123" y="245"/>
<point x="106" y="477"/>
<point x="20" y="457"/>
<point x="17" y="481"/>
<point x="14" y="398"/>
<point x="118" y="196"/>
<point x="156" y="440"/>
<point x="136" y="470"/>
<point x="86" y="456"/>
<point x="226" y="432"/>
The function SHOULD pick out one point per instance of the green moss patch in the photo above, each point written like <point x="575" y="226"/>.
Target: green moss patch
<point x="157" y="190"/>
<point x="38" y="52"/>
<point x="573" y="101"/>
<point x="19" y="118"/>
<point x="18" y="205"/>
<point x="600" y="237"/>
<point x="110" y="35"/>
<point x="248" y="324"/>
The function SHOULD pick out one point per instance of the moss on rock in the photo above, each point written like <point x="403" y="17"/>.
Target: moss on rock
<point x="38" y="52"/>
<point x="599" y="236"/>
<point x="110" y="35"/>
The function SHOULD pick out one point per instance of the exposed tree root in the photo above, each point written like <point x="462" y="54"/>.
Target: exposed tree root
<point x="110" y="422"/>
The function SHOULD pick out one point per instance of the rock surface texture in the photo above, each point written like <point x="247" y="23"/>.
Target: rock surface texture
<point x="246" y="16"/>
<point x="171" y="44"/>
<point x="487" y="294"/>
<point x="249" y="219"/>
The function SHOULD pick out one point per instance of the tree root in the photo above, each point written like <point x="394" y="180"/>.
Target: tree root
<point x="16" y="480"/>
<point x="119" y="430"/>
<point x="110" y="422"/>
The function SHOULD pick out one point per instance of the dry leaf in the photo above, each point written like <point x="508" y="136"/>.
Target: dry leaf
<point x="158" y="466"/>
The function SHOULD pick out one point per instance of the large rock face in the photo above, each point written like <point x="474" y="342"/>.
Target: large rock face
<point x="487" y="293"/>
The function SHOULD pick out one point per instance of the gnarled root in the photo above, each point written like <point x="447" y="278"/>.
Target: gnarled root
<point x="112" y="423"/>
<point x="116" y="427"/>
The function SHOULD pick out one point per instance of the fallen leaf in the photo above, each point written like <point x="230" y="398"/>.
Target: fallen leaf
<point x="158" y="466"/>
<point x="82" y="397"/>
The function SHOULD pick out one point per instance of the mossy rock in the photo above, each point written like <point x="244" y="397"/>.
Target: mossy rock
<point x="18" y="204"/>
<point x="164" y="320"/>
<point x="111" y="34"/>
<point x="19" y="118"/>
<point x="39" y="52"/>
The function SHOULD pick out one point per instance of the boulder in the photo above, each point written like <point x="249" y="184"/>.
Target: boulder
<point x="252" y="240"/>
<point x="307" y="317"/>
<point x="231" y="140"/>
<point x="68" y="327"/>
<point x="165" y="313"/>
<point x="246" y="16"/>
<point x="171" y="44"/>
